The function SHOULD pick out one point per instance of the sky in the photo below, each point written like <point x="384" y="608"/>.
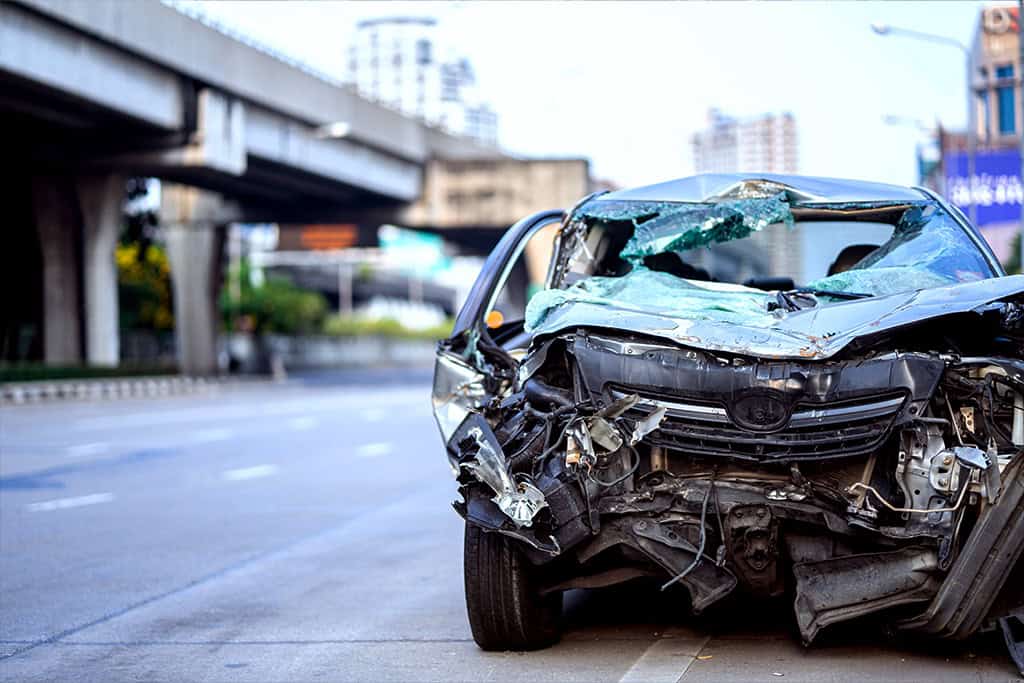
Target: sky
<point x="627" y="84"/>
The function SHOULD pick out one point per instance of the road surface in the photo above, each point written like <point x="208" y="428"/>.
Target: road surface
<point x="303" y="532"/>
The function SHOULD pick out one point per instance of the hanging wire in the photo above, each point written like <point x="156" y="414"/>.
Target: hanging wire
<point x="703" y="538"/>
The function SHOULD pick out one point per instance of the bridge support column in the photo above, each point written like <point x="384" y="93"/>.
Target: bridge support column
<point x="195" y="227"/>
<point x="53" y="207"/>
<point x="101" y="199"/>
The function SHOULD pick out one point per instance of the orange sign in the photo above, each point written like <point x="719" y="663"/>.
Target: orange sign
<point x="319" y="237"/>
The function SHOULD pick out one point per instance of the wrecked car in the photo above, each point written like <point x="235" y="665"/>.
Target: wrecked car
<point x="687" y="398"/>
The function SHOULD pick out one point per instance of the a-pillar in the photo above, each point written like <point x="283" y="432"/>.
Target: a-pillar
<point x="101" y="199"/>
<point x="194" y="223"/>
<point x="54" y="208"/>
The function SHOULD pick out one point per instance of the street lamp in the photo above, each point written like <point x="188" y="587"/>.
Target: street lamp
<point x="934" y="131"/>
<point x="972" y="137"/>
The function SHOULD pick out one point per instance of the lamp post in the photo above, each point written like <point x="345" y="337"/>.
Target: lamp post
<point x="934" y="132"/>
<point x="972" y="133"/>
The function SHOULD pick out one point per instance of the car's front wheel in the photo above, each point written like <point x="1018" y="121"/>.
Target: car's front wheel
<point x="506" y="609"/>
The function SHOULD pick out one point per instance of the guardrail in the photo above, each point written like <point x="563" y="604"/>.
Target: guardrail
<point x="16" y="393"/>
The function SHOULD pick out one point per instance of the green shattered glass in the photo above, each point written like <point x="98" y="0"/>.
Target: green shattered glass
<point x="689" y="226"/>
<point x="927" y="249"/>
<point x="650" y="291"/>
<point x="881" y="281"/>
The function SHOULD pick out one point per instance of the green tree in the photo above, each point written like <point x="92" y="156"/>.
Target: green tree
<point x="144" y="287"/>
<point x="274" y="305"/>
<point x="143" y="271"/>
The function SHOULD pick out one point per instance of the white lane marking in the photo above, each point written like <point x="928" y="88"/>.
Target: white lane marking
<point x="303" y="423"/>
<point x="255" y="472"/>
<point x="64" y="503"/>
<point x="374" y="450"/>
<point x="212" y="435"/>
<point x="667" y="659"/>
<point x="80" y="450"/>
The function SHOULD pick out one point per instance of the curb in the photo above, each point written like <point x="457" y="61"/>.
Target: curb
<point x="19" y="393"/>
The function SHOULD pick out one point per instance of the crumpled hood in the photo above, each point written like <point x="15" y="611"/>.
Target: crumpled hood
<point x="819" y="332"/>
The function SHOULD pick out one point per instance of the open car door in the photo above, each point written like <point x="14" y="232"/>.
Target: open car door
<point x="474" y="364"/>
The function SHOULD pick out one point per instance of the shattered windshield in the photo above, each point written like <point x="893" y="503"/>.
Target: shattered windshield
<point x="733" y="258"/>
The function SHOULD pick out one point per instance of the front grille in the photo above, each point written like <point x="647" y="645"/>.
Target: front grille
<point x="814" y="431"/>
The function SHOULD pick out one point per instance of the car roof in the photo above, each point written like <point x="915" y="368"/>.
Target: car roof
<point x="709" y="187"/>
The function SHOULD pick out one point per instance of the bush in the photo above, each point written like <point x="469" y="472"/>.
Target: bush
<point x="144" y="286"/>
<point x="350" y="326"/>
<point x="276" y="305"/>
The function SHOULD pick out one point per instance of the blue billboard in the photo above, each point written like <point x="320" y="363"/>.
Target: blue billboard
<point x="997" y="187"/>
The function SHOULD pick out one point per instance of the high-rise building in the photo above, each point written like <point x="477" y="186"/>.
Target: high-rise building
<point x="760" y="144"/>
<point x="993" y="196"/>
<point x="406" y="63"/>
<point x="995" y="83"/>
<point x="766" y="143"/>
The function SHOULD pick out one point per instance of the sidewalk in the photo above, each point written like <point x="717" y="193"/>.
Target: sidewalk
<point x="14" y="393"/>
<point x="109" y="388"/>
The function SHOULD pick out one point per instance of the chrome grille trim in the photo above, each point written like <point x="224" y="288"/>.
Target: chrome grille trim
<point x="861" y="411"/>
<point x="677" y="409"/>
<point x="803" y="418"/>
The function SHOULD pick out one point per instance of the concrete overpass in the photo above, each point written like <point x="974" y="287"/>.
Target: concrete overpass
<point x="92" y="92"/>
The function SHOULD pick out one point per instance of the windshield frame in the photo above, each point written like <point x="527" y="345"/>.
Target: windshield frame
<point x="576" y="225"/>
<point x="972" y="231"/>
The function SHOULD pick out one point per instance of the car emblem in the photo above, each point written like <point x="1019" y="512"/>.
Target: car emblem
<point x="760" y="412"/>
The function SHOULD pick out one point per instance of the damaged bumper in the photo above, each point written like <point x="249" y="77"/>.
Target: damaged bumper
<point x="863" y="485"/>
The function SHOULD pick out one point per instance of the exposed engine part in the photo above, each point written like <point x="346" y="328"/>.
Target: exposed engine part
<point x="863" y="481"/>
<point x="917" y="511"/>
<point x="982" y="567"/>
<point x="856" y="585"/>
<point x="520" y="500"/>
<point x="658" y="459"/>
<point x="752" y="535"/>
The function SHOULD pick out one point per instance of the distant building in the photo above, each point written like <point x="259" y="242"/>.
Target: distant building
<point x="495" y="193"/>
<point x="406" y="63"/>
<point x="766" y="143"/>
<point x="997" y="119"/>
<point x="995" y="83"/>
<point x="473" y="202"/>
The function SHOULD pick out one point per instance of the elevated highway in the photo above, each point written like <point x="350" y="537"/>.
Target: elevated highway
<point x="94" y="92"/>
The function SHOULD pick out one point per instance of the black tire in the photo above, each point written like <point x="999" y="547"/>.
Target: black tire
<point x="506" y="611"/>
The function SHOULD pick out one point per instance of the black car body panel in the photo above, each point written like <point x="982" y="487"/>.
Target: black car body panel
<point x="861" y="448"/>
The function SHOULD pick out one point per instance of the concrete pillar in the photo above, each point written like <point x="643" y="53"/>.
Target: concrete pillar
<point x="101" y="199"/>
<point x="194" y="223"/>
<point x="191" y="250"/>
<point x="56" y="219"/>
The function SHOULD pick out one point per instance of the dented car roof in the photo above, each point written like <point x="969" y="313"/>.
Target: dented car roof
<point x="708" y="187"/>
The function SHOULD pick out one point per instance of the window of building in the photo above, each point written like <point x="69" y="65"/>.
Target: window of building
<point x="423" y="49"/>
<point x="984" y="114"/>
<point x="449" y="84"/>
<point x="1007" y="109"/>
<point x="1004" y="71"/>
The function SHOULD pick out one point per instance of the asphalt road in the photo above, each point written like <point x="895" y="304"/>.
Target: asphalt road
<point x="303" y="532"/>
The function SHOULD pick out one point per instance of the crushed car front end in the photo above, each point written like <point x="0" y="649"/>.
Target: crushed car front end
<point x="857" y="450"/>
